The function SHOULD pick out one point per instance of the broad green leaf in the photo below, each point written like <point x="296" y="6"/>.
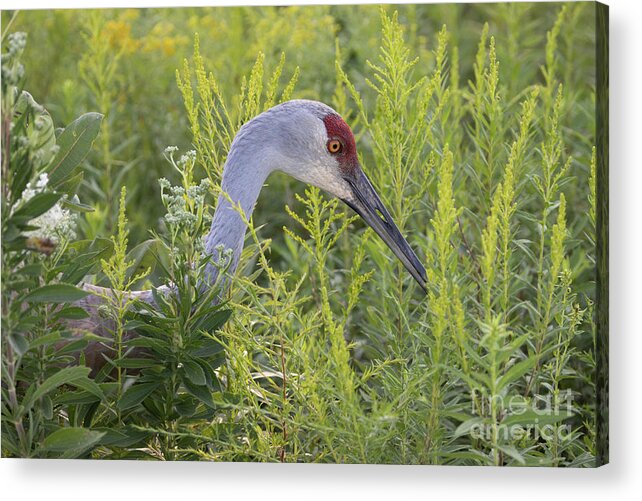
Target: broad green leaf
<point x="515" y="372"/>
<point x="510" y="349"/>
<point x="46" y="407"/>
<point x="200" y="392"/>
<point x="66" y="375"/>
<point x="186" y="405"/>
<point x="39" y="126"/>
<point x="511" y="451"/>
<point x="214" y="321"/>
<point x="151" y="343"/>
<point x="531" y="417"/>
<point x="467" y="426"/>
<point x="91" y="386"/>
<point x="143" y="257"/>
<point x="56" y="293"/>
<point x="72" y="347"/>
<point x="135" y="395"/>
<point x="37" y="205"/>
<point x="72" y="313"/>
<point x="88" y="247"/>
<point x="135" y="324"/>
<point x="136" y="363"/>
<point x="77" y="206"/>
<point x="194" y="372"/>
<point x="207" y="348"/>
<point x="73" y="441"/>
<point x="76" y="398"/>
<point x="32" y="270"/>
<point x="472" y="455"/>
<point x="45" y="340"/>
<point x="90" y="252"/>
<point x="71" y="184"/>
<point x="124" y="437"/>
<point x="18" y="343"/>
<point x="75" y="142"/>
<point x="13" y="235"/>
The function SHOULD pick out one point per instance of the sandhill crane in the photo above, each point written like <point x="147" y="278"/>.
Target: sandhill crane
<point x="309" y="141"/>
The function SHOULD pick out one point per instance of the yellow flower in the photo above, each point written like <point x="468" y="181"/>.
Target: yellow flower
<point x="168" y="46"/>
<point x="118" y="33"/>
<point x="130" y="14"/>
<point x="159" y="39"/>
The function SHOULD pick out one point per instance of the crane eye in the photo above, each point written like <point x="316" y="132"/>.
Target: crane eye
<point x="334" y="146"/>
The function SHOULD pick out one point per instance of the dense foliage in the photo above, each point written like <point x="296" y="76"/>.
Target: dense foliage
<point x="479" y="137"/>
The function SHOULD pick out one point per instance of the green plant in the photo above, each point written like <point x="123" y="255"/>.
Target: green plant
<point x="39" y="273"/>
<point x="441" y="374"/>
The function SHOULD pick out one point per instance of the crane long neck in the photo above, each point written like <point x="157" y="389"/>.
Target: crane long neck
<point x="243" y="178"/>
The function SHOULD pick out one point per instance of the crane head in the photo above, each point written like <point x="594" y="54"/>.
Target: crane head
<point x="315" y="145"/>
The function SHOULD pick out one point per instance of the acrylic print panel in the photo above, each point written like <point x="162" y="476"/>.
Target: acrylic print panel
<point x="423" y="278"/>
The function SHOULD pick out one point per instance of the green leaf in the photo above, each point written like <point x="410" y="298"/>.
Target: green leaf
<point x="134" y="324"/>
<point x="56" y="293"/>
<point x="511" y="451"/>
<point x="75" y="142"/>
<point x="136" y="363"/>
<point x="37" y="205"/>
<point x="77" y="206"/>
<point x="200" y="392"/>
<point x="214" y="321"/>
<point x="136" y="394"/>
<point x="89" y="246"/>
<point x="186" y="405"/>
<point x="156" y="345"/>
<point x="45" y="340"/>
<point x="67" y="375"/>
<point x="76" y="398"/>
<point x="87" y="259"/>
<point x="207" y="348"/>
<point x="143" y="256"/>
<point x="531" y="417"/>
<point x="18" y="343"/>
<point x="91" y="386"/>
<point x="71" y="347"/>
<point x="467" y="426"/>
<point x="46" y="407"/>
<point x="194" y="372"/>
<point x="515" y="372"/>
<point x="478" y="457"/>
<point x="32" y="270"/>
<point x="72" y="441"/>
<point x="39" y="128"/>
<point x="124" y="437"/>
<point x="71" y="184"/>
<point x="72" y="313"/>
<point x="510" y="349"/>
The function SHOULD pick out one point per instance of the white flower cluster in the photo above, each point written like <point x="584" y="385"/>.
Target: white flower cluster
<point x="12" y="69"/>
<point x="189" y="157"/>
<point x="223" y="259"/>
<point x="185" y="208"/>
<point x="57" y="223"/>
<point x="17" y="43"/>
<point x="175" y="199"/>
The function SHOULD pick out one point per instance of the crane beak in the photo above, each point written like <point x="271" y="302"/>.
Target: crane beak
<point x="367" y="203"/>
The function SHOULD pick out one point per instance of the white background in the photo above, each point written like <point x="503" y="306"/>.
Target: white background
<point x="124" y="480"/>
